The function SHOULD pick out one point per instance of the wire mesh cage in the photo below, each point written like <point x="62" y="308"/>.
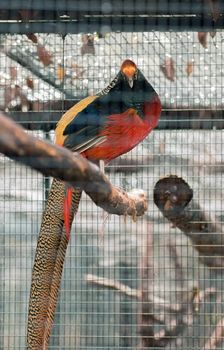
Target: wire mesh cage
<point x="156" y="282"/>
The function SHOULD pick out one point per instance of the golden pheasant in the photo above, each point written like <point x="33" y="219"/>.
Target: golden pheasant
<point x="100" y="127"/>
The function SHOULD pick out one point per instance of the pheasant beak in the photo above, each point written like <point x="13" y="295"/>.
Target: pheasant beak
<point x="130" y="82"/>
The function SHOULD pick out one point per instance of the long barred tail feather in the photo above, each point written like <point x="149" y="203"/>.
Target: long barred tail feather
<point x="67" y="210"/>
<point x="48" y="266"/>
<point x="56" y="280"/>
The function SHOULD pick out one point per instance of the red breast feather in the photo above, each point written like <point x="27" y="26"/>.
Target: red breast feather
<point x="126" y="130"/>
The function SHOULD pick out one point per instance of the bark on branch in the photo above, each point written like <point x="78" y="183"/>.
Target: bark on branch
<point x="155" y="311"/>
<point x="52" y="160"/>
<point x="216" y="338"/>
<point x="130" y="292"/>
<point x="172" y="195"/>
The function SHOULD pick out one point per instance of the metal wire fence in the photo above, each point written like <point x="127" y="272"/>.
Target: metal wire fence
<point x="126" y="285"/>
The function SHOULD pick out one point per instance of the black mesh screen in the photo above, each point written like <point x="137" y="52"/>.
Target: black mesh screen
<point x="150" y="284"/>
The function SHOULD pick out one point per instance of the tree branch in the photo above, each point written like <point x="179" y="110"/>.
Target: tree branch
<point x="172" y="195"/>
<point x="216" y="337"/>
<point x="112" y="284"/>
<point x="56" y="161"/>
<point x="130" y="292"/>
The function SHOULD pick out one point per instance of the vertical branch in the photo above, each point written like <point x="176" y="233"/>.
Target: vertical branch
<point x="179" y="271"/>
<point x="216" y="338"/>
<point x="146" y="317"/>
<point x="125" y="310"/>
